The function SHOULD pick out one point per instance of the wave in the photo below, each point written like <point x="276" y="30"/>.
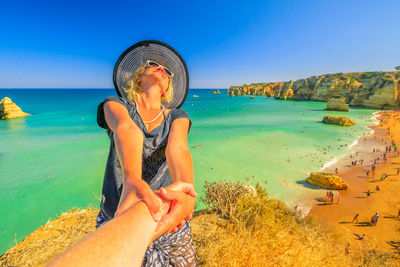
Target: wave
<point x="355" y="142"/>
<point x="329" y="163"/>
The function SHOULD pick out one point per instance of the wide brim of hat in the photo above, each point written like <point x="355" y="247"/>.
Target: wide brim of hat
<point x="138" y="54"/>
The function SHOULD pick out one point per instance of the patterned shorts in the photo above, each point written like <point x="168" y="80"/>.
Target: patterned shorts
<point x="174" y="249"/>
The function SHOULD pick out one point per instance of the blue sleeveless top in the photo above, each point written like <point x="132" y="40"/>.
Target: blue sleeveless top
<point x="154" y="163"/>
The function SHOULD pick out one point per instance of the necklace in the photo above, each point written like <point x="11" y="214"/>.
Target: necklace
<point x="147" y="122"/>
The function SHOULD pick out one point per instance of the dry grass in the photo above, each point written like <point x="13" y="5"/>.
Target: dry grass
<point x="243" y="229"/>
<point x="51" y="239"/>
<point x="240" y="227"/>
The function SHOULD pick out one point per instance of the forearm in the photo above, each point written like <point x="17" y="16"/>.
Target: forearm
<point x="121" y="242"/>
<point x="180" y="164"/>
<point x="129" y="145"/>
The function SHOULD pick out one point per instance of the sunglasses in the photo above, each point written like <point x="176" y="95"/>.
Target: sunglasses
<point x="156" y="65"/>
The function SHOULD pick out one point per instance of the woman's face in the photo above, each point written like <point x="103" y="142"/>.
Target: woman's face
<point x="155" y="76"/>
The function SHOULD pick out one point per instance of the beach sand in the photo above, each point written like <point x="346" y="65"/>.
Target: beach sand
<point x="386" y="202"/>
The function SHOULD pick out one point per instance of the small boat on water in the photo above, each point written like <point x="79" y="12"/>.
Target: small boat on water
<point x="195" y="96"/>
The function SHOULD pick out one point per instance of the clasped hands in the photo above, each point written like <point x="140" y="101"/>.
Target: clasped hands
<point x="170" y="207"/>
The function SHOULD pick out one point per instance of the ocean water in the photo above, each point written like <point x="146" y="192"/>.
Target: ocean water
<point x="54" y="160"/>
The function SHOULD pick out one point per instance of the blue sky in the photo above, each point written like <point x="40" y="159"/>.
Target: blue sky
<point x="75" y="44"/>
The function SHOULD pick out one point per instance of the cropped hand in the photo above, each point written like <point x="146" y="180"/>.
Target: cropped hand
<point x="140" y="191"/>
<point x="181" y="208"/>
<point x="187" y="188"/>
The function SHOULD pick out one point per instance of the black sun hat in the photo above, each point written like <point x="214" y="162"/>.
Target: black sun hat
<point x="138" y="54"/>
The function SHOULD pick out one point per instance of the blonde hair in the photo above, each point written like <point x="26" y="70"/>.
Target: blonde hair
<point x="133" y="88"/>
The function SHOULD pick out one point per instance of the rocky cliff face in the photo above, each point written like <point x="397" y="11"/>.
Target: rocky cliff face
<point x="369" y="89"/>
<point x="337" y="102"/>
<point x="9" y="110"/>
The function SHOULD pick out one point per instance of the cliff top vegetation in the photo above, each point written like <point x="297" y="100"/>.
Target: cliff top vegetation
<point x="241" y="226"/>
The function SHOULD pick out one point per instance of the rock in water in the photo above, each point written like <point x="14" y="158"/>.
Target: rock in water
<point x="338" y="120"/>
<point x="327" y="180"/>
<point x="216" y="92"/>
<point x="337" y="102"/>
<point x="9" y="110"/>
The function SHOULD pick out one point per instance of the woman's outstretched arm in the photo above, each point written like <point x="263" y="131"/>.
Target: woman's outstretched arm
<point x="120" y="242"/>
<point x="129" y="144"/>
<point x="178" y="156"/>
<point x="181" y="192"/>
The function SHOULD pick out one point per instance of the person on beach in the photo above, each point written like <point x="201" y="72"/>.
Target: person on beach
<point x="355" y="219"/>
<point x="398" y="171"/>
<point x="373" y="221"/>
<point x="148" y="149"/>
<point x="377" y="188"/>
<point x="363" y="237"/>
<point x="339" y="198"/>
<point x="368" y="193"/>
<point x="347" y="249"/>
<point x="398" y="214"/>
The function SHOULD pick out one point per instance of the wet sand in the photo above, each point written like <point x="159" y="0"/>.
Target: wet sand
<point x="386" y="201"/>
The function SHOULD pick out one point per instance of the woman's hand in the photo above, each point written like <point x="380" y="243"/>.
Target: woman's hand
<point x="187" y="188"/>
<point x="140" y="191"/>
<point x="181" y="209"/>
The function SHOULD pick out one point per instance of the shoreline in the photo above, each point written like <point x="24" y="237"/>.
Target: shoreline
<point x="355" y="200"/>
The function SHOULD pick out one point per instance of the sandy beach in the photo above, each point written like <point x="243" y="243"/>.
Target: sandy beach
<point x="361" y="179"/>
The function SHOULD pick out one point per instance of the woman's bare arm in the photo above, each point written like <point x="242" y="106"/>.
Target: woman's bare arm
<point x="128" y="140"/>
<point x="180" y="166"/>
<point x="178" y="156"/>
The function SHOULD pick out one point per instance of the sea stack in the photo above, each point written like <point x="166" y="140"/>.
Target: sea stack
<point x="338" y="120"/>
<point x="337" y="102"/>
<point x="9" y="110"/>
<point x="327" y="180"/>
<point x="216" y="92"/>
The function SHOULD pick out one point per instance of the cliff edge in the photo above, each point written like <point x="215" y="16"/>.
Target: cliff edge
<point x="369" y="89"/>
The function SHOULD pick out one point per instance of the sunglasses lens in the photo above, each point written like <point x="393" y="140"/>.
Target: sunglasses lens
<point x="168" y="72"/>
<point x="153" y="64"/>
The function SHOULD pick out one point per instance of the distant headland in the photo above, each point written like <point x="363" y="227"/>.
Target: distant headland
<point x="379" y="90"/>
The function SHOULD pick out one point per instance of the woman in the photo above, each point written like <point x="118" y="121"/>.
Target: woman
<point x="148" y="150"/>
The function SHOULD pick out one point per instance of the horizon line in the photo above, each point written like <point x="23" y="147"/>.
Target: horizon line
<point x="89" y="88"/>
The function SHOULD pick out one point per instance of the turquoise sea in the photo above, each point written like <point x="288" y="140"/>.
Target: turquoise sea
<point x="54" y="160"/>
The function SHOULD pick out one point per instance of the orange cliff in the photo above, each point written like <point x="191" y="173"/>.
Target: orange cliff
<point x="369" y="89"/>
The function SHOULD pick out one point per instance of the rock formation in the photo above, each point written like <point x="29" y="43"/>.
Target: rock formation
<point x="338" y="120"/>
<point x="216" y="92"/>
<point x="9" y="110"/>
<point x="369" y="89"/>
<point x="337" y="102"/>
<point x="327" y="180"/>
